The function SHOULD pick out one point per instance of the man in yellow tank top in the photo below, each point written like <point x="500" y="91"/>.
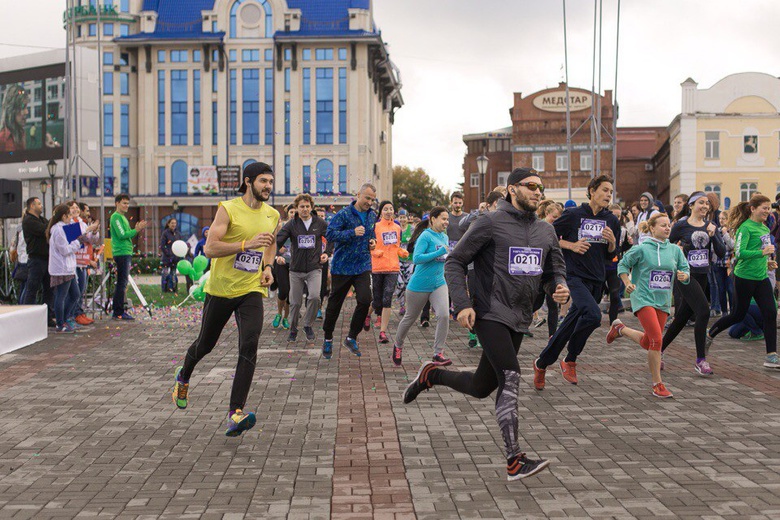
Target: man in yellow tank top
<point x="242" y="246"/>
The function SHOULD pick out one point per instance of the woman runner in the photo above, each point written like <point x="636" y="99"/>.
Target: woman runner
<point x="385" y="266"/>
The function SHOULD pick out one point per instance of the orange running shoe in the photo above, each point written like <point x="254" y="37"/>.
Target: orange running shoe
<point x="569" y="371"/>
<point x="539" y="376"/>
<point x="615" y="331"/>
<point x="82" y="319"/>
<point x="659" y="390"/>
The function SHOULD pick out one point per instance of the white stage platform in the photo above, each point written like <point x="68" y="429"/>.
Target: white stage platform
<point x="21" y="325"/>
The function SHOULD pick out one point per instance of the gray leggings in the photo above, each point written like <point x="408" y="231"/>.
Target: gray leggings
<point x="415" y="301"/>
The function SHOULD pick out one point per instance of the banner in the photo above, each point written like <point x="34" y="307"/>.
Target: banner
<point x="229" y="179"/>
<point x="202" y="180"/>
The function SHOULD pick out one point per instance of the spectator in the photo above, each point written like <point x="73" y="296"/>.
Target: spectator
<point x="79" y="213"/>
<point x="122" y="246"/>
<point x="170" y="235"/>
<point x="19" y="258"/>
<point x="751" y="328"/>
<point x="204" y="234"/>
<point x="34" y="230"/>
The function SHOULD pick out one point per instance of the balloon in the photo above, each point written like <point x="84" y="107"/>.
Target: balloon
<point x="184" y="267"/>
<point x="202" y="279"/>
<point x="199" y="294"/>
<point x="180" y="248"/>
<point x="200" y="263"/>
<point x="195" y="277"/>
<point x="193" y="288"/>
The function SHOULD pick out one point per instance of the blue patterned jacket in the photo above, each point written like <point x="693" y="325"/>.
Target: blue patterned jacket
<point x="351" y="255"/>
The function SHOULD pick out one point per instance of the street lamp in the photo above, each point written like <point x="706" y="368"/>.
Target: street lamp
<point x="52" y="167"/>
<point x="43" y="185"/>
<point x="482" y="164"/>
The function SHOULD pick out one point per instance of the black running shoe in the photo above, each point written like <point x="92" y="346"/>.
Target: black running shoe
<point x="425" y="324"/>
<point x="309" y="333"/>
<point x="520" y="466"/>
<point x="352" y="345"/>
<point x="419" y="383"/>
<point x="293" y="336"/>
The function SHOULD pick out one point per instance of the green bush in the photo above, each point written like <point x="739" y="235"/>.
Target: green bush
<point x="145" y="263"/>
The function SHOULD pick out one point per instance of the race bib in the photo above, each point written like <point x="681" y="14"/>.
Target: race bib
<point x="453" y="243"/>
<point x="661" y="280"/>
<point x="698" y="258"/>
<point x="442" y="258"/>
<point x="766" y="240"/>
<point x="591" y="230"/>
<point x="390" y="238"/>
<point x="248" y="261"/>
<point x="306" y="241"/>
<point x="525" y="261"/>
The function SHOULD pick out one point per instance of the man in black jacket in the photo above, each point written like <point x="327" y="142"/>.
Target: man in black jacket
<point x="305" y="231"/>
<point x="514" y="254"/>
<point x="34" y="226"/>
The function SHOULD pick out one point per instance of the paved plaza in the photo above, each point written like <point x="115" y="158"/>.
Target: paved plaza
<point x="88" y="429"/>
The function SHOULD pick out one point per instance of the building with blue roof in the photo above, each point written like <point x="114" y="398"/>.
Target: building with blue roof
<point x="306" y="86"/>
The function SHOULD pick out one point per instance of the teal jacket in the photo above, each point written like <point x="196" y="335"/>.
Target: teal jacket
<point x="653" y="266"/>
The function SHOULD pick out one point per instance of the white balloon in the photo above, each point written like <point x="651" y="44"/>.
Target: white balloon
<point x="179" y="248"/>
<point x="205" y="277"/>
<point x="193" y="287"/>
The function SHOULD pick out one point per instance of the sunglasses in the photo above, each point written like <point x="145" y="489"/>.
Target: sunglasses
<point x="533" y="186"/>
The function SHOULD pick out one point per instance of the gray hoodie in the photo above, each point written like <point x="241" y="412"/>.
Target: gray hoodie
<point x="514" y="253"/>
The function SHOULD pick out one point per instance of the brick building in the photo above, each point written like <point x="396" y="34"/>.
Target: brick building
<point x="496" y="146"/>
<point x="637" y="171"/>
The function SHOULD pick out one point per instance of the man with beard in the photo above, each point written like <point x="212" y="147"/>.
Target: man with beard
<point x="588" y="239"/>
<point x="514" y="254"/>
<point x="242" y="244"/>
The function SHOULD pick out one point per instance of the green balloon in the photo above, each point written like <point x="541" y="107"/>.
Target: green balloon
<point x="184" y="267"/>
<point x="200" y="263"/>
<point x="196" y="275"/>
<point x="199" y="294"/>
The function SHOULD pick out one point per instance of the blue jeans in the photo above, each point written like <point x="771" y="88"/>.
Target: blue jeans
<point x="583" y="318"/>
<point x="752" y="323"/>
<point x="168" y="279"/>
<point x="37" y="280"/>
<point x="725" y="300"/>
<point x="122" y="273"/>
<point x="81" y="279"/>
<point x="65" y="300"/>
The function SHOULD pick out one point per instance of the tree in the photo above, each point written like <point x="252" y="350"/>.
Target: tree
<point x="415" y="191"/>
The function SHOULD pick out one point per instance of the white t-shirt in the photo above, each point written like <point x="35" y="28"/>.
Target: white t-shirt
<point x="307" y="223"/>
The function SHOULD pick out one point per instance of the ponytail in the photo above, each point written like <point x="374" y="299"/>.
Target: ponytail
<point x="422" y="226"/>
<point x="741" y="212"/>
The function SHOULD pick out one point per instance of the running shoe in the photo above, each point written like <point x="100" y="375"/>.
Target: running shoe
<point x="703" y="368"/>
<point x="180" y="389"/>
<point x="772" y="361"/>
<point x="440" y="360"/>
<point x="569" y="371"/>
<point x="352" y="345"/>
<point x="367" y="323"/>
<point x="319" y="314"/>
<point x="327" y="348"/>
<point x="277" y="321"/>
<point x="539" y="374"/>
<point x="82" y="319"/>
<point x="715" y="314"/>
<point x="293" y="336"/>
<point x="419" y="383"/>
<point x="124" y="317"/>
<point x="383" y="337"/>
<point x="64" y="329"/>
<point x="473" y="341"/>
<point x="425" y="324"/>
<point x="520" y="466"/>
<point x="659" y="390"/>
<point x="239" y="422"/>
<point x="615" y="331"/>
<point x="538" y="322"/>
<point x="378" y="322"/>
<point x="749" y="336"/>
<point x="285" y="324"/>
<point x="691" y="323"/>
<point x="72" y="324"/>
<point x="309" y="333"/>
<point x="397" y="355"/>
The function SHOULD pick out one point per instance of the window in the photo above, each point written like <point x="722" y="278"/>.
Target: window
<point x="232" y="55"/>
<point x="343" y="105"/>
<point x="586" y="161"/>
<point x="247" y="163"/>
<point x="287" y="54"/>
<point x="250" y="106"/>
<point x="124" y="175"/>
<point x="269" y="106"/>
<point x="537" y="162"/>
<point x="179" y="178"/>
<point x="324" y="176"/>
<point x="108" y="124"/>
<point x="233" y="107"/>
<point x="37" y="94"/>
<point x="306" y="105"/>
<point x="306" y="55"/>
<point x="269" y="55"/>
<point x="196" y="107"/>
<point x="108" y="83"/>
<point x="124" y="125"/>
<point x="502" y="178"/>
<point x="561" y="162"/>
<point x="53" y="91"/>
<point x="178" y="107"/>
<point x="323" y="54"/>
<point x="714" y="188"/>
<point x="307" y="179"/>
<point x="214" y="124"/>
<point x="91" y="185"/>
<point x="712" y="145"/>
<point x="287" y="175"/>
<point x="108" y="175"/>
<point x="342" y="54"/>
<point x="286" y="122"/>
<point x="196" y="56"/>
<point x="160" y="56"/>
<point x="161" y="180"/>
<point x="187" y="224"/>
<point x="108" y="29"/>
<point x="474" y="180"/>
<point x="746" y="190"/>
<point x="179" y="56"/>
<point x="92" y="29"/>
<point x="124" y="88"/>
<point x="342" y="179"/>
<point x="287" y="79"/>
<point x="161" y="107"/>
<point x="324" y="94"/>
<point x="214" y="80"/>
<point x="214" y="26"/>
<point x="108" y="58"/>
<point x="751" y="144"/>
<point x="124" y="58"/>
<point x="124" y="6"/>
<point x="250" y="55"/>
<point x="124" y="29"/>
<point x="251" y="16"/>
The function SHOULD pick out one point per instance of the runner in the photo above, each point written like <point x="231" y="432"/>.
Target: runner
<point x="697" y="236"/>
<point x="325" y="267"/>
<point x="428" y="246"/>
<point x="385" y="266"/>
<point x="454" y="231"/>
<point x="242" y="244"/>
<point x="753" y="255"/>
<point x="352" y="234"/>
<point x="652" y="265"/>
<point x="514" y="253"/>
<point x="549" y="211"/>
<point x="281" y="274"/>
<point x="588" y="239"/>
<point x="304" y="231"/>
<point x="406" y="266"/>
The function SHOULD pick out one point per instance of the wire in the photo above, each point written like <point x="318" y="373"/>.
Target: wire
<point x="28" y="46"/>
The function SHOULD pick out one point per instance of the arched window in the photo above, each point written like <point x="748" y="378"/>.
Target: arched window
<point x="714" y="188"/>
<point x="746" y="190"/>
<point x="247" y="163"/>
<point x="250" y="15"/>
<point x="324" y="175"/>
<point x="187" y="224"/>
<point x="179" y="178"/>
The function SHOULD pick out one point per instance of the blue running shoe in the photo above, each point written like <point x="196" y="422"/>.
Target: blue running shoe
<point x="352" y="345"/>
<point x="239" y="422"/>
<point x="327" y="348"/>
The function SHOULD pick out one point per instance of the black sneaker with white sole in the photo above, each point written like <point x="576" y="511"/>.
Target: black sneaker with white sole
<point x="419" y="383"/>
<point x="520" y="467"/>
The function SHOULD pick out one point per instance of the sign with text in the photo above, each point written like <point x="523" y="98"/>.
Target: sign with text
<point x="229" y="179"/>
<point x="555" y="101"/>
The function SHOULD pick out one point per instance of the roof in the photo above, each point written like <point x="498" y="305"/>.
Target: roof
<point x="500" y="132"/>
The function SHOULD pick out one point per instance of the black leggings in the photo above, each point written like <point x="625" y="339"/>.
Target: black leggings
<point x="249" y="318"/>
<point x="612" y="286"/>
<point x="761" y="291"/>
<point x="552" y="310"/>
<point x="339" y="287"/>
<point x="693" y="302"/>
<point x="498" y="369"/>
<point x="282" y="280"/>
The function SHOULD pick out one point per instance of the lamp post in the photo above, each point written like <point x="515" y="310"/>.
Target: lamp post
<point x="52" y="167"/>
<point x="43" y="185"/>
<point x="482" y="164"/>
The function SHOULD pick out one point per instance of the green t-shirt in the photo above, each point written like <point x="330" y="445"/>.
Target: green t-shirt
<point x="121" y="235"/>
<point x="752" y="237"/>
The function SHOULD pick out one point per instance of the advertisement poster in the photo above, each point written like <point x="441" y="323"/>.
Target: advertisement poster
<point x="202" y="180"/>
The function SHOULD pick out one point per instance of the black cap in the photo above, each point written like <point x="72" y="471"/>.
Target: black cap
<point x="252" y="171"/>
<point x="518" y="174"/>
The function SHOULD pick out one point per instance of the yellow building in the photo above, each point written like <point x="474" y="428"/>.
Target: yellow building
<point x="727" y="138"/>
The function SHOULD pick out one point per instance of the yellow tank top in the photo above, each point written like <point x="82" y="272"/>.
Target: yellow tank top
<point x="236" y="275"/>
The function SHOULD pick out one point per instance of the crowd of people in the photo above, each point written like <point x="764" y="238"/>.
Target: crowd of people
<point x="501" y="271"/>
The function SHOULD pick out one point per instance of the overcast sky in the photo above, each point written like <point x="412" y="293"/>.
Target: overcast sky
<point x="461" y="60"/>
